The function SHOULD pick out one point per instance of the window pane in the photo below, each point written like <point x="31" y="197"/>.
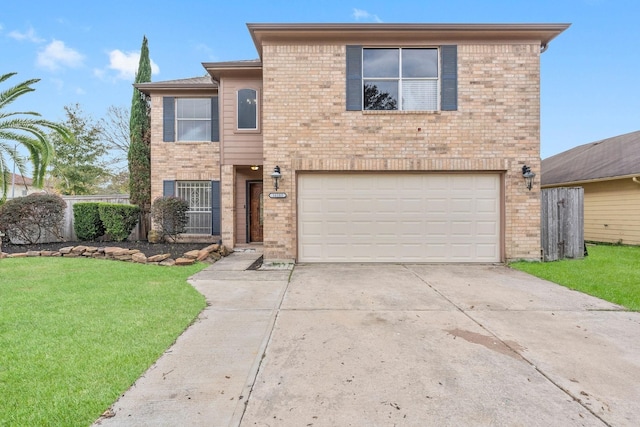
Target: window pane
<point x="194" y="108"/>
<point x="380" y="62"/>
<point x="247" y="109"/>
<point x="419" y="63"/>
<point x="420" y="95"/>
<point x="380" y="95"/>
<point x="194" y="130"/>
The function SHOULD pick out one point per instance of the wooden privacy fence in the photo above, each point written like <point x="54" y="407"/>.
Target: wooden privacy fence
<point x="562" y="223"/>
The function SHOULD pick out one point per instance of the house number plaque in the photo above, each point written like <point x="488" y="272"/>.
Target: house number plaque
<point x="278" y="195"/>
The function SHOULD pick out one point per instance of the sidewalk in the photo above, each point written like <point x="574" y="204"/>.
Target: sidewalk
<point x="204" y="379"/>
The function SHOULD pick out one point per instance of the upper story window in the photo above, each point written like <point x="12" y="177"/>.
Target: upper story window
<point x="247" y="109"/>
<point x="400" y="79"/>
<point x="190" y="119"/>
<point x="193" y="117"/>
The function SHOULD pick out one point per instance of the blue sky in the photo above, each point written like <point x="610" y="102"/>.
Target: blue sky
<point x="87" y="52"/>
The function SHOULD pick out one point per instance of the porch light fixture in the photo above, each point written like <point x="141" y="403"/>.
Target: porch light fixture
<point x="528" y="177"/>
<point x="276" y="175"/>
<point x="255" y="167"/>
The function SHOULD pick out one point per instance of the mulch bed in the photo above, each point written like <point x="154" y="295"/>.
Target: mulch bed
<point x="149" y="249"/>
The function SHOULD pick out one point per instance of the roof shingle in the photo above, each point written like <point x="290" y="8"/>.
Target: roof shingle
<point x="608" y="158"/>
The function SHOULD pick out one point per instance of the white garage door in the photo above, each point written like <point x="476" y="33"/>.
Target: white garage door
<point x="399" y="217"/>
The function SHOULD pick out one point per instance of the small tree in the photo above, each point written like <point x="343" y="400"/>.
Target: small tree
<point x="28" y="219"/>
<point x="139" y="155"/>
<point x="169" y="215"/>
<point x="79" y="166"/>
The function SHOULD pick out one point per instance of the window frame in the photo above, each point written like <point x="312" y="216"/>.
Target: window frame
<point x="257" y="114"/>
<point x="400" y="78"/>
<point x="207" y="138"/>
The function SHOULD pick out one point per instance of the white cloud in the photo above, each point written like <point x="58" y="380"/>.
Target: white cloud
<point x="29" y="35"/>
<point x="363" y="15"/>
<point x="80" y="91"/>
<point x="126" y="64"/>
<point x="56" y="55"/>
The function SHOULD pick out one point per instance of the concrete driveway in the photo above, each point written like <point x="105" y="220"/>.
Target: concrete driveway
<point x="395" y="345"/>
<point x="416" y="345"/>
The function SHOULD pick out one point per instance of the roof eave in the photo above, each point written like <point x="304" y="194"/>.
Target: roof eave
<point x="542" y="33"/>
<point x="589" y="181"/>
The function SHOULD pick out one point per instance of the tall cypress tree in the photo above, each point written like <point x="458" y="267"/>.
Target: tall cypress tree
<point x="139" y="148"/>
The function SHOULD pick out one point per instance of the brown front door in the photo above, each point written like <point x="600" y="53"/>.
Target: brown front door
<point x="255" y="212"/>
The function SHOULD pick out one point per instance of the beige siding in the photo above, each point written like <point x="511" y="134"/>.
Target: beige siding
<point x="306" y="128"/>
<point x="239" y="147"/>
<point x="611" y="211"/>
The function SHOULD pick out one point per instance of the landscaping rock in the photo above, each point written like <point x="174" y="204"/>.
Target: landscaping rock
<point x="139" y="258"/>
<point x="169" y="262"/>
<point x="66" y="250"/>
<point x="19" y="255"/>
<point x="158" y="258"/>
<point x="33" y="253"/>
<point x="212" y="248"/>
<point x="191" y="254"/>
<point x="185" y="261"/>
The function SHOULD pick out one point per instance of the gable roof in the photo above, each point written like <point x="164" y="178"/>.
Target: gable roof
<point x="609" y="158"/>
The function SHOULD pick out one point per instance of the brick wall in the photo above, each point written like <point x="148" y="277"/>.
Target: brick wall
<point x="496" y="128"/>
<point x="183" y="161"/>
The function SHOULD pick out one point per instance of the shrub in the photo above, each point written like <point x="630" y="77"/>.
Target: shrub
<point x="86" y="221"/>
<point x="36" y="218"/>
<point x="169" y="215"/>
<point x="118" y="219"/>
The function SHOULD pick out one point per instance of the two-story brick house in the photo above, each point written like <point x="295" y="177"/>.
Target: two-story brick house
<point x="394" y="142"/>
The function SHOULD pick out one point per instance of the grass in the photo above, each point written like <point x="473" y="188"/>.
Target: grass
<point x="76" y="333"/>
<point x="609" y="272"/>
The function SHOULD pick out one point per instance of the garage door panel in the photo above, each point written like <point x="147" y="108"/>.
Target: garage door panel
<point x="399" y="218"/>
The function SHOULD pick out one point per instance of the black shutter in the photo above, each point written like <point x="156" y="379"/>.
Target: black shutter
<point x="215" y="120"/>
<point x="168" y="188"/>
<point x="354" y="78"/>
<point x="449" y="96"/>
<point x="215" y="208"/>
<point x="168" y="119"/>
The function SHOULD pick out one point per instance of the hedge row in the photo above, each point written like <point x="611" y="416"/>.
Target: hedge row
<point x="94" y="219"/>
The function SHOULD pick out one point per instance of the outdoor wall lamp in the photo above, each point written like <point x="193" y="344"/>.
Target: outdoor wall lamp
<point x="255" y="167"/>
<point x="276" y="175"/>
<point x="528" y="177"/>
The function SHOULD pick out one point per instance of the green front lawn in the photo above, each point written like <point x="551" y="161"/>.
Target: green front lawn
<point x="76" y="333"/>
<point x="608" y="272"/>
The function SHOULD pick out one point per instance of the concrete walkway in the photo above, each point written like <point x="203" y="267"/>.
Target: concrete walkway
<point x="392" y="345"/>
<point x="205" y="378"/>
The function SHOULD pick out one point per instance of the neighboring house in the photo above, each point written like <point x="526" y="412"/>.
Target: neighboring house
<point x="20" y="186"/>
<point x="609" y="172"/>
<point x="395" y="142"/>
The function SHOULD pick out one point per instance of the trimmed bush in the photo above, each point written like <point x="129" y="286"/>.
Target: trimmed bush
<point x="169" y="215"/>
<point x="118" y="219"/>
<point x="86" y="221"/>
<point x="36" y="218"/>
